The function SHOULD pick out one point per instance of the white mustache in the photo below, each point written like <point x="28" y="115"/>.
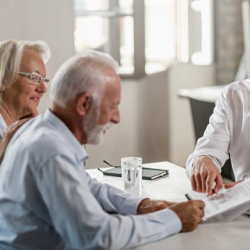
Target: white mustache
<point x="108" y="126"/>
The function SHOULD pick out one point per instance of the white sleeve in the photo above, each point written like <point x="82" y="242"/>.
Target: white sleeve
<point x="216" y="138"/>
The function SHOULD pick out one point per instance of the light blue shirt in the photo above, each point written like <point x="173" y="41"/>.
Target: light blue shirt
<point x="48" y="201"/>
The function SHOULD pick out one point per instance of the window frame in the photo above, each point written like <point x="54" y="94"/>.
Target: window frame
<point x="113" y="14"/>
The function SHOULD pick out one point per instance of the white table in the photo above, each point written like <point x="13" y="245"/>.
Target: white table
<point x="210" y="235"/>
<point x="204" y="94"/>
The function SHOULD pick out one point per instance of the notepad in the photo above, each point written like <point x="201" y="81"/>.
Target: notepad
<point x="147" y="173"/>
<point x="230" y="202"/>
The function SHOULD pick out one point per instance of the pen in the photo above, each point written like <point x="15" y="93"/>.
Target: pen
<point x="159" y="175"/>
<point x="111" y="165"/>
<point x="188" y="197"/>
<point x="108" y="163"/>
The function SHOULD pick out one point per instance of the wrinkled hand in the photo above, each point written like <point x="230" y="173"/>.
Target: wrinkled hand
<point x="190" y="214"/>
<point x="149" y="206"/>
<point x="7" y="135"/>
<point x="204" y="174"/>
<point x="231" y="184"/>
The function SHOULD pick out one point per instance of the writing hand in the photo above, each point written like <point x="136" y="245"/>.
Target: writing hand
<point x="190" y="214"/>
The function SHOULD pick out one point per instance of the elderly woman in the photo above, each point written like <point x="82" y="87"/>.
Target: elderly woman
<point x="22" y="83"/>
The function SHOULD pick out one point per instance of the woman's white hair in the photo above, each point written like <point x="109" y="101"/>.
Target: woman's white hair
<point x="82" y="73"/>
<point x="11" y="52"/>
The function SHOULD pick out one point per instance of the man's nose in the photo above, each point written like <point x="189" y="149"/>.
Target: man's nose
<point x="116" y="117"/>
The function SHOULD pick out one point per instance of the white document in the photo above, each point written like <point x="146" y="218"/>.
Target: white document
<point x="229" y="202"/>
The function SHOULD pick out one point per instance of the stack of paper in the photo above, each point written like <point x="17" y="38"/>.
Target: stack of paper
<point x="229" y="202"/>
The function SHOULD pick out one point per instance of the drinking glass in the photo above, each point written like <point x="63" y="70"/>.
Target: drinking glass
<point x="132" y="175"/>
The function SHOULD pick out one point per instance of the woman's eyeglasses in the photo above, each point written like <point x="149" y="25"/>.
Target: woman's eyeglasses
<point x="35" y="78"/>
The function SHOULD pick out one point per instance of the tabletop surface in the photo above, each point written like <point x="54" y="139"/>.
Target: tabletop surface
<point x="205" y="94"/>
<point x="211" y="235"/>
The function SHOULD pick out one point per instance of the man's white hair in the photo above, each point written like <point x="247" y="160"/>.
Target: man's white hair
<point x="11" y="52"/>
<point x="82" y="73"/>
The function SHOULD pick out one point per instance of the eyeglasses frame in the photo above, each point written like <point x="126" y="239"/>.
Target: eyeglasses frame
<point x="45" y="80"/>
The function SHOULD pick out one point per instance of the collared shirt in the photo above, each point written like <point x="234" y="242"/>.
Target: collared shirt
<point x="48" y="200"/>
<point x="3" y="126"/>
<point x="228" y="131"/>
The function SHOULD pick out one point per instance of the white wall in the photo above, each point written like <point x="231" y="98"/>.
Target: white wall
<point x="122" y="139"/>
<point x="143" y="127"/>
<point x="155" y="123"/>
<point x="48" y="20"/>
<point x="181" y="132"/>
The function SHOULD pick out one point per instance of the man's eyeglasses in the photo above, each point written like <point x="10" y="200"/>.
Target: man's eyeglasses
<point x="35" y="78"/>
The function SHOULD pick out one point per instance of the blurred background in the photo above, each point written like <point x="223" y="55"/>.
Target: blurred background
<point x="162" y="46"/>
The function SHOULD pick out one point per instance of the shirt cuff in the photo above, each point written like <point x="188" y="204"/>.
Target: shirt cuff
<point x="131" y="204"/>
<point x="189" y="166"/>
<point x="213" y="158"/>
<point x="171" y="221"/>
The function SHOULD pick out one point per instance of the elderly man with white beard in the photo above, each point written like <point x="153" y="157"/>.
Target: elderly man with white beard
<point x="48" y="200"/>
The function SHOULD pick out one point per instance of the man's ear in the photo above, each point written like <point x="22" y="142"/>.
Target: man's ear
<point x="84" y="102"/>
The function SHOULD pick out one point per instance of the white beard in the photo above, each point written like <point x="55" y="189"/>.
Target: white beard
<point x="94" y="132"/>
<point x="96" y="135"/>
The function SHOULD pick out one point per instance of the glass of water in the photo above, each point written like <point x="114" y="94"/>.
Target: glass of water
<point x="132" y="175"/>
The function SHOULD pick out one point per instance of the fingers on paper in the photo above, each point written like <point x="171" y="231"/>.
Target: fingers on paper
<point x="231" y="184"/>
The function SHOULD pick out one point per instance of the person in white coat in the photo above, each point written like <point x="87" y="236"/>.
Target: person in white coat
<point x="228" y="132"/>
